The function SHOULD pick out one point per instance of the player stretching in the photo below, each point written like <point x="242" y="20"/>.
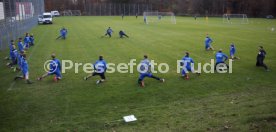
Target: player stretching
<point x="100" y="68"/>
<point x="20" y="45"/>
<point x="221" y="58"/>
<point x="260" y="58"/>
<point x="233" y="51"/>
<point x="63" y="33"/>
<point x="188" y="66"/>
<point x="208" y="42"/>
<point x="109" y="32"/>
<point x="145" y="71"/>
<point x="27" y="41"/>
<point x="32" y="40"/>
<point x="13" y="55"/>
<point x="24" y="69"/>
<point x="55" y="69"/>
<point x="122" y="34"/>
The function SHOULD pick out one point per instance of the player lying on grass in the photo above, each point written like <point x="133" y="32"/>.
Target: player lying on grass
<point x="221" y="58"/>
<point x="24" y="69"/>
<point x="100" y="68"/>
<point x="187" y="63"/>
<point x="233" y="51"/>
<point x="260" y="58"/>
<point x="122" y="34"/>
<point x="55" y="69"/>
<point x="109" y="32"/>
<point x="208" y="42"/>
<point x="145" y="71"/>
<point x="63" y="33"/>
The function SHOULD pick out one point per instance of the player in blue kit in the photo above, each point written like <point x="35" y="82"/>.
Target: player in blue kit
<point x="24" y="69"/>
<point x="233" y="51"/>
<point x="188" y="66"/>
<point x="208" y="42"/>
<point x="13" y="55"/>
<point x="32" y="40"/>
<point x="55" y="69"/>
<point x="20" y="45"/>
<point x="145" y="71"/>
<point x="63" y="33"/>
<point x="11" y="48"/>
<point x="27" y="41"/>
<point x="100" y="68"/>
<point x="221" y="58"/>
<point x="122" y="34"/>
<point x="109" y="32"/>
<point x="19" y="59"/>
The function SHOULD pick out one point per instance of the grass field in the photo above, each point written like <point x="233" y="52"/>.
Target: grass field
<point x="241" y="101"/>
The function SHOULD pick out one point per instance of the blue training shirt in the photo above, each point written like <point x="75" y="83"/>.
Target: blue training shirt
<point x="187" y="61"/>
<point x="208" y="41"/>
<point x="55" y="66"/>
<point x="100" y="66"/>
<point x="232" y="50"/>
<point x="24" y="65"/>
<point x="145" y="66"/>
<point x="221" y="57"/>
<point x="20" y="46"/>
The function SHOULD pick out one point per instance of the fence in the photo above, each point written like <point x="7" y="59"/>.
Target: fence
<point x="115" y="9"/>
<point x="17" y="17"/>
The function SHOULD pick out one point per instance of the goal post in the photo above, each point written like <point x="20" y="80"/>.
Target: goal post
<point x="153" y="17"/>
<point x="235" y="18"/>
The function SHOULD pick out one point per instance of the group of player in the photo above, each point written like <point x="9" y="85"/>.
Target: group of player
<point x="221" y="57"/>
<point x="109" y="33"/>
<point x="100" y="66"/>
<point x="18" y="56"/>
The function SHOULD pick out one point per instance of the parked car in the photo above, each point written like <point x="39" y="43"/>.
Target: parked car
<point x="55" y="13"/>
<point x="269" y="17"/>
<point x="46" y="18"/>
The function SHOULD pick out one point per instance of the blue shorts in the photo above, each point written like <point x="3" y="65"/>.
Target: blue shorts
<point x="58" y="74"/>
<point x="143" y="75"/>
<point x="207" y="46"/>
<point x="188" y="69"/>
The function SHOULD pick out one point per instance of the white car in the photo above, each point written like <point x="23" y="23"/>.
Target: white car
<point x="46" y="18"/>
<point x="55" y="13"/>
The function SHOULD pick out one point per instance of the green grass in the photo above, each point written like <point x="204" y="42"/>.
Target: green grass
<point x="242" y="101"/>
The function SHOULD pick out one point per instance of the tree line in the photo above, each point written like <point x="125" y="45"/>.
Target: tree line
<point x="253" y="8"/>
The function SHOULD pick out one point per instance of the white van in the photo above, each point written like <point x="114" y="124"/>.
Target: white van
<point x="55" y="13"/>
<point x="46" y="18"/>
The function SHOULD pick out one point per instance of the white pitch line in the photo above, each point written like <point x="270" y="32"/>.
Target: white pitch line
<point x="35" y="47"/>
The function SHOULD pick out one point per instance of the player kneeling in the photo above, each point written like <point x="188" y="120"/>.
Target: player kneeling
<point x="25" y="70"/>
<point x="145" y="67"/>
<point x="220" y="59"/>
<point x="55" y="69"/>
<point x="100" y="69"/>
<point x="188" y="66"/>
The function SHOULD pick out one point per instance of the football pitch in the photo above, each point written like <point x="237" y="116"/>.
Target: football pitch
<point x="241" y="101"/>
